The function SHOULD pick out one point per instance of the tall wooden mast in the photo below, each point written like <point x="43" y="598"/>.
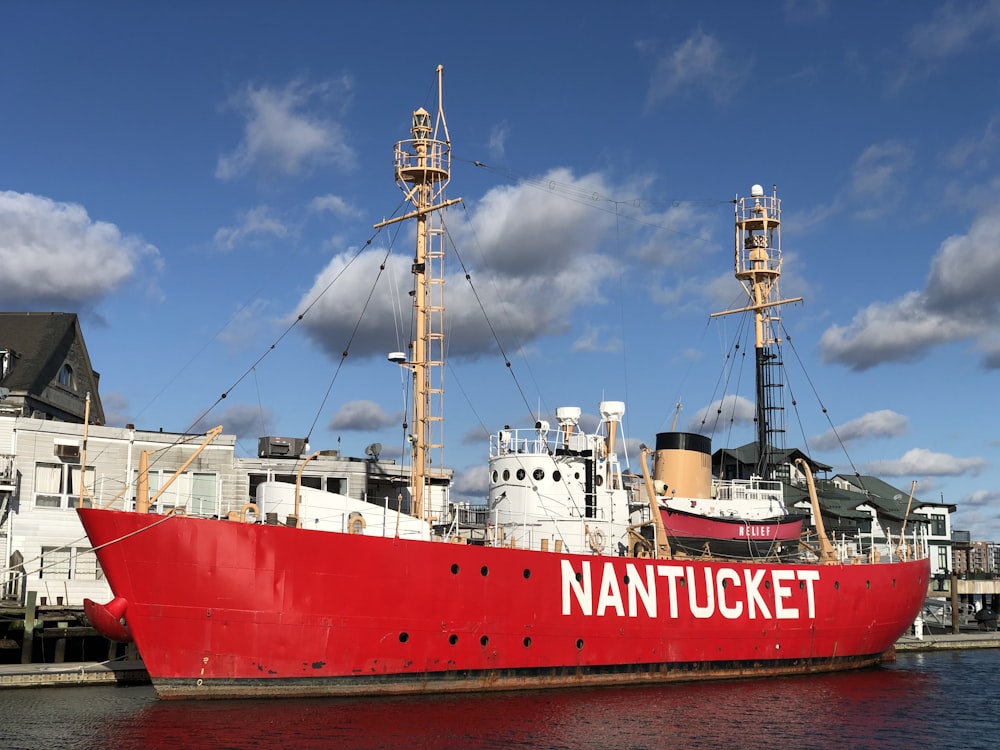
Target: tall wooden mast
<point x="423" y="169"/>
<point x="758" y="268"/>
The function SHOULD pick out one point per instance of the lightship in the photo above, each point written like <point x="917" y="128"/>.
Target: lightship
<point x="576" y="584"/>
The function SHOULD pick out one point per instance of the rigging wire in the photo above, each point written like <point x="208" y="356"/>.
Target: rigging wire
<point x="350" y="340"/>
<point x="298" y="319"/>
<point x="486" y="317"/>
<point x="826" y="413"/>
<point x="621" y="324"/>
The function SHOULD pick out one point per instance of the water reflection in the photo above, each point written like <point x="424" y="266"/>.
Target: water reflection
<point x="906" y="704"/>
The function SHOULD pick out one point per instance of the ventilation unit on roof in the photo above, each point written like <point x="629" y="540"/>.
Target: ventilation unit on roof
<point x="280" y="447"/>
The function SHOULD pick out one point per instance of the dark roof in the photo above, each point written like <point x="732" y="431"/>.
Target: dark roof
<point x="889" y="500"/>
<point x="41" y="342"/>
<point x="747" y="455"/>
<point x="833" y="501"/>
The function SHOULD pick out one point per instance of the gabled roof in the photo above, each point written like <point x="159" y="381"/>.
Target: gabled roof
<point x="834" y="502"/>
<point x="889" y="500"/>
<point x="747" y="455"/>
<point x="39" y="344"/>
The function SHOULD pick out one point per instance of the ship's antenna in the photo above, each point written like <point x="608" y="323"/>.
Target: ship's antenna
<point x="423" y="169"/>
<point x="758" y="268"/>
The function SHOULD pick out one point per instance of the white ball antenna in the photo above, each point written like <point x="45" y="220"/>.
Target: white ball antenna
<point x="756" y="191"/>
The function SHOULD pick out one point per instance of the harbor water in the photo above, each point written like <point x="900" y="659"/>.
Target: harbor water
<point x="941" y="699"/>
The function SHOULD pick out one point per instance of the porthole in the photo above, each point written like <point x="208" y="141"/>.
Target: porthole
<point x="556" y="476"/>
<point x="404" y="637"/>
<point x="454" y="569"/>
<point x="483" y="640"/>
<point x="725" y="583"/>
<point x="520" y="474"/>
<point x="836" y="585"/>
<point x="576" y="475"/>
<point x="495" y="476"/>
<point x="683" y="581"/>
<point x="767" y="584"/>
<point x="625" y="580"/>
<point x="802" y="584"/>
<point x="506" y="475"/>
<point x="579" y="644"/>
<point x="868" y="584"/>
<point x="527" y="574"/>
<point x="452" y="639"/>
<point x="579" y="577"/>
<point x="598" y="480"/>
<point x="538" y="475"/>
<point x="527" y="641"/>
<point x="484" y="571"/>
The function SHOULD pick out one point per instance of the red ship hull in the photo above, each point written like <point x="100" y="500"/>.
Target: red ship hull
<point x="226" y="609"/>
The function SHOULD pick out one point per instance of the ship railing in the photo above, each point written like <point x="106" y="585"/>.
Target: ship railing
<point x="523" y="442"/>
<point x="551" y="442"/>
<point x="742" y="489"/>
<point x="862" y="548"/>
<point x="471" y="515"/>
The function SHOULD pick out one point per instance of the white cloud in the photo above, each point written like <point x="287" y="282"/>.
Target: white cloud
<point x="245" y="421"/>
<point x="498" y="140"/>
<point x="882" y="423"/>
<point x="471" y="484"/>
<point x="363" y="415"/>
<point x="989" y="499"/>
<point x="960" y="301"/>
<point x="255" y="223"/>
<point x="54" y="255"/>
<point x="282" y="135"/>
<point x="952" y="30"/>
<point x="332" y="204"/>
<point x="878" y="178"/>
<point x="698" y="63"/>
<point x="597" y="339"/>
<point x="730" y="409"/>
<point x="117" y="412"/>
<point x="540" y="260"/>
<point x="922" y="462"/>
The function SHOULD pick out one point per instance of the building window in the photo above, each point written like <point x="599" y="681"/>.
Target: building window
<point x="938" y="525"/>
<point x="197" y="492"/>
<point x="204" y="498"/>
<point x="54" y="563"/>
<point x="65" y="564"/>
<point x="85" y="565"/>
<point x="66" y="377"/>
<point x="58" y="485"/>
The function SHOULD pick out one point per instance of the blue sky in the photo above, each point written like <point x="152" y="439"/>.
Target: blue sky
<point x="189" y="176"/>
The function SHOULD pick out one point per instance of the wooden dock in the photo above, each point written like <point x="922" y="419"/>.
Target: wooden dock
<point x="985" y="639"/>
<point x="72" y="674"/>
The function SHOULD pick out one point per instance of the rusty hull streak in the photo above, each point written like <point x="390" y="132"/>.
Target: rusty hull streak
<point x="439" y="683"/>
